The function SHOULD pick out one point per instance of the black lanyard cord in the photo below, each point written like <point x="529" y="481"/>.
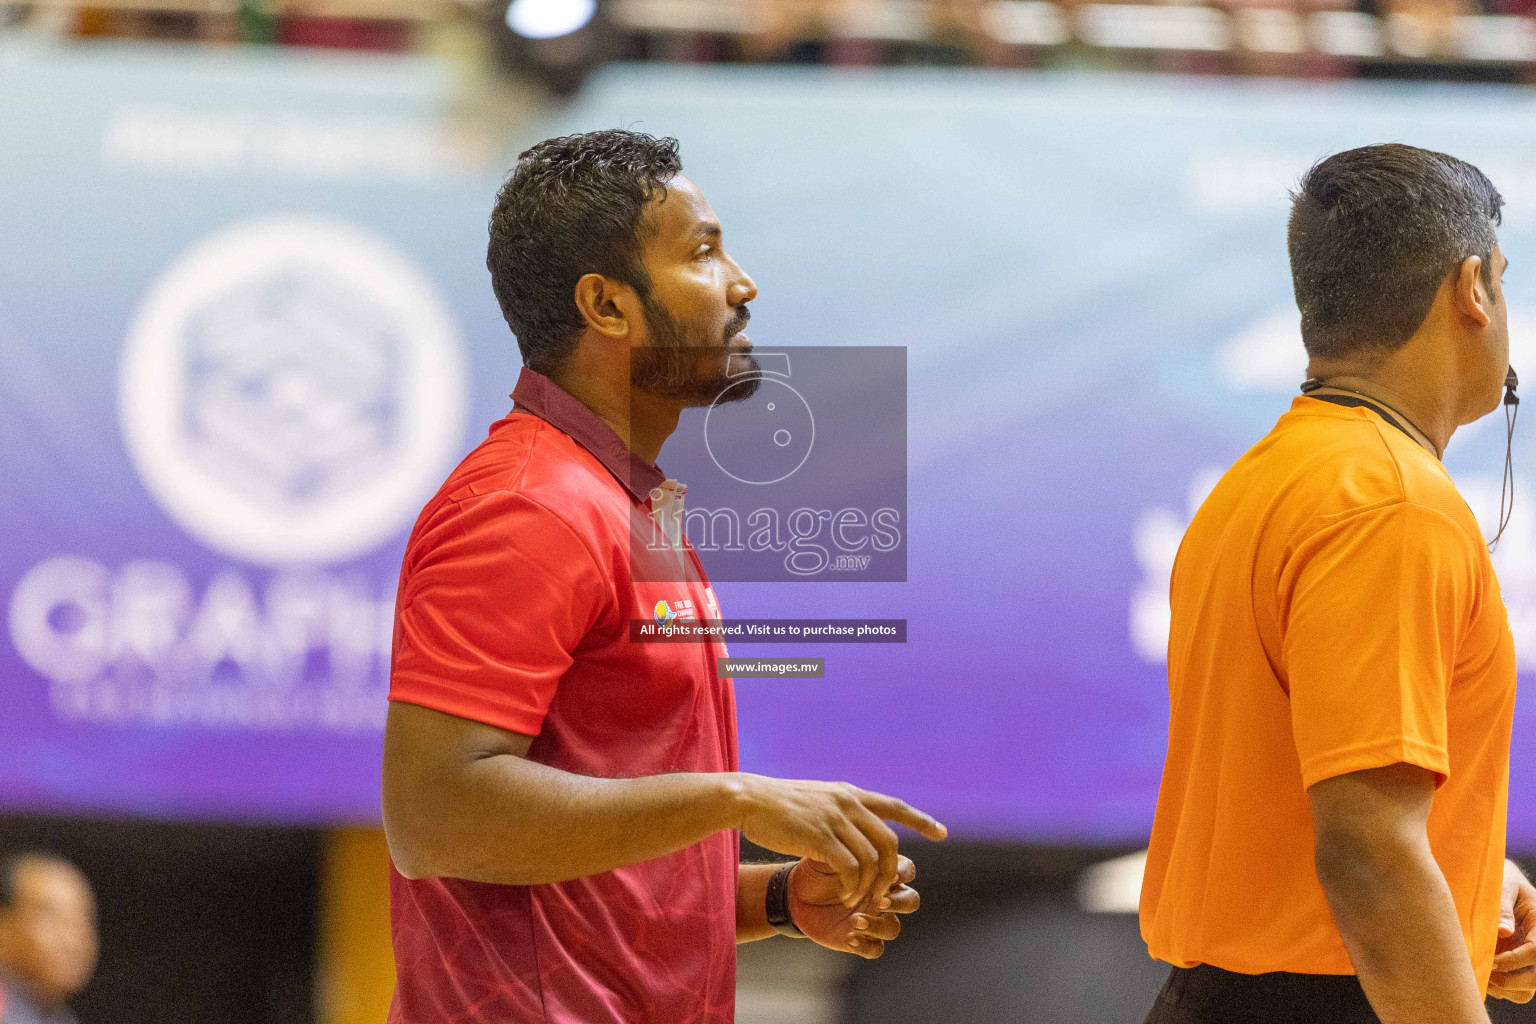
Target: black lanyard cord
<point x="1354" y="401"/>
<point x="1511" y="413"/>
<point x="1507" y="484"/>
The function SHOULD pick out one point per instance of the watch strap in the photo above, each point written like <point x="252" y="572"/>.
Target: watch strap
<point x="778" y="902"/>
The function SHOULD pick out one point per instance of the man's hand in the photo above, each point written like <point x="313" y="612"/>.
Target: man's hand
<point x="1514" y="968"/>
<point x="842" y="826"/>
<point x="816" y="906"/>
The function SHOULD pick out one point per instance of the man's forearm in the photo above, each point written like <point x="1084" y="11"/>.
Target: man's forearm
<point x="461" y="801"/>
<point x="517" y="822"/>
<point x="752" y="902"/>
<point x="1399" y="923"/>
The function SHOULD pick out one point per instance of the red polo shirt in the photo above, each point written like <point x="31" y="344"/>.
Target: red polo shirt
<point x="515" y="596"/>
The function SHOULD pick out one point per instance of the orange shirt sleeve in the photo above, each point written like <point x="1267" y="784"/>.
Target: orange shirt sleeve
<point x="497" y="596"/>
<point x="1378" y="602"/>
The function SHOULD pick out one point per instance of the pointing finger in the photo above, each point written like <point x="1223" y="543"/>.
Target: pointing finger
<point x="899" y="811"/>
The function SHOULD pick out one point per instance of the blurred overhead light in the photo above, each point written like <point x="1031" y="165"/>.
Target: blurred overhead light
<point x="549" y="19"/>
<point x="557" y="43"/>
<point x="1347" y="34"/>
<point x="1495" y="38"/>
<point x="894" y="20"/>
<point x="1143" y="26"/>
<point x="1269" y="30"/>
<point x="707" y="16"/>
<point x="1026" y="23"/>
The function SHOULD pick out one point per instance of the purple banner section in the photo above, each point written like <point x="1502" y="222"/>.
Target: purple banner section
<point x="768" y="631"/>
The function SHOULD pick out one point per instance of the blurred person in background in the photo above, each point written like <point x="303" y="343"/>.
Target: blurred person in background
<point x="562" y="803"/>
<point x="1424" y="28"/>
<point x="48" y="941"/>
<point x="795" y="31"/>
<point x="1329" y="837"/>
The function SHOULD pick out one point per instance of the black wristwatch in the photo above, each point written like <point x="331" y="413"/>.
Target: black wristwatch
<point x="778" y="903"/>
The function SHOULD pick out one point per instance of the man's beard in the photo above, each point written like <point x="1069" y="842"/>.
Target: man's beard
<point x="693" y="371"/>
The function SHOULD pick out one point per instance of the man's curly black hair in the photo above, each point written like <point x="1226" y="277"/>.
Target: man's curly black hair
<point x="573" y="205"/>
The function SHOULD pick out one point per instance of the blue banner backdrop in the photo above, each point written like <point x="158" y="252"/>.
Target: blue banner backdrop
<point x="246" y="329"/>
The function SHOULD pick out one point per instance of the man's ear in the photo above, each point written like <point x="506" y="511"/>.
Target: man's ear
<point x="604" y="304"/>
<point x="1470" y="293"/>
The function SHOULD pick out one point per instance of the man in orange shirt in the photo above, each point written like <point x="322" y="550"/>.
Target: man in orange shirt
<point x="1329" y="838"/>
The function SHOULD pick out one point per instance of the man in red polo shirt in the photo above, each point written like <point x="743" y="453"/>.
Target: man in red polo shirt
<point x="563" y="805"/>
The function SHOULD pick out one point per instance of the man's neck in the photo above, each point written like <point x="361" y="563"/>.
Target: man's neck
<point x="1429" y="415"/>
<point x="643" y="422"/>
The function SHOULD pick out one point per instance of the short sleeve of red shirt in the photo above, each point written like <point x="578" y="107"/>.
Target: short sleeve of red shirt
<point x="1378" y="602"/>
<point x="495" y="596"/>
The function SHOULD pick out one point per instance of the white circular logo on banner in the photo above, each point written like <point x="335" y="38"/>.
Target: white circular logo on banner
<point x="292" y="389"/>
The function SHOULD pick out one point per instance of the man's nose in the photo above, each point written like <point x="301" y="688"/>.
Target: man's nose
<point x="743" y="290"/>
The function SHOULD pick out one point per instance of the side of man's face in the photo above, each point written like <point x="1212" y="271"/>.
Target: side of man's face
<point x="692" y="348"/>
<point x="48" y="936"/>
<point x="1497" y="332"/>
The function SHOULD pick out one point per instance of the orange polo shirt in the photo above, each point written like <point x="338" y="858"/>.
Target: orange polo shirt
<point x="1334" y="610"/>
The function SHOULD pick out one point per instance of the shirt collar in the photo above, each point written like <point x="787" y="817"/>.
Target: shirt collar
<point x="542" y="397"/>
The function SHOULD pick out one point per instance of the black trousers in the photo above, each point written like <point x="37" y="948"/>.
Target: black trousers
<point x="1210" y="995"/>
